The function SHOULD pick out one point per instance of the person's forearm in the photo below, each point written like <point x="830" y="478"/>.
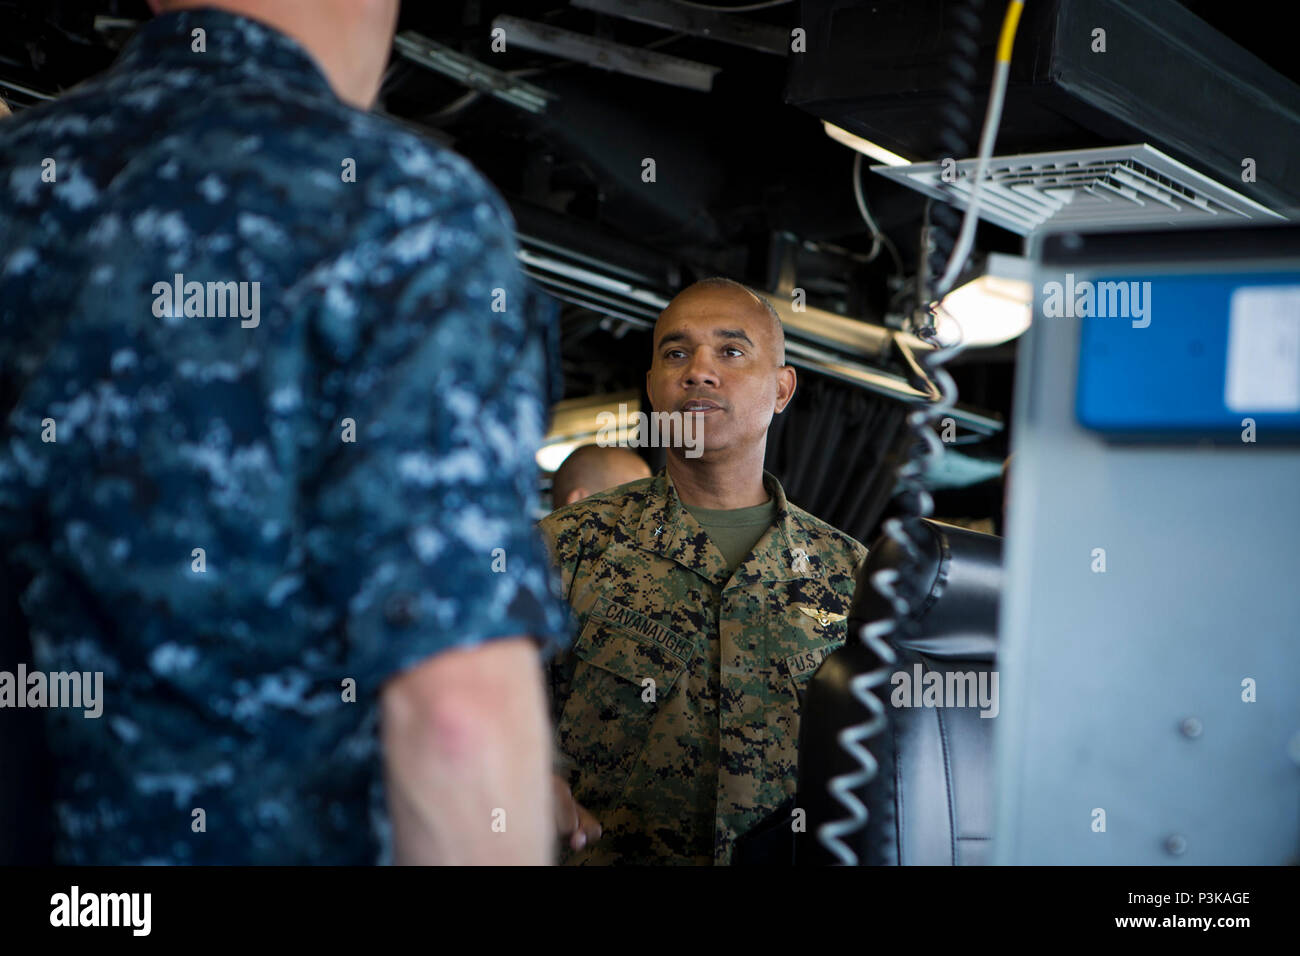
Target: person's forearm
<point x="469" y="781"/>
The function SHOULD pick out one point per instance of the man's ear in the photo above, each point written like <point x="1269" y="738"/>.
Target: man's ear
<point x="786" y="380"/>
<point x="156" y="6"/>
<point x="577" y="494"/>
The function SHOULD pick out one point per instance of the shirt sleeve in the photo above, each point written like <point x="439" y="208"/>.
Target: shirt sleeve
<point x="420" y="516"/>
<point x="563" y="538"/>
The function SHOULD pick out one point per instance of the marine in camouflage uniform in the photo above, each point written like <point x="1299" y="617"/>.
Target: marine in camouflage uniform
<point x="675" y="776"/>
<point x="324" y="559"/>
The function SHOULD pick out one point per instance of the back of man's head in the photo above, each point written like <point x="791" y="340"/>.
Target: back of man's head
<point x="349" y="39"/>
<point x="593" y="468"/>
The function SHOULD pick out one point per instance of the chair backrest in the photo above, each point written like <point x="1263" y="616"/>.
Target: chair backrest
<point x="930" y="800"/>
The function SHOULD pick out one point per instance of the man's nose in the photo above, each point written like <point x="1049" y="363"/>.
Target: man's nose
<point x="701" y="370"/>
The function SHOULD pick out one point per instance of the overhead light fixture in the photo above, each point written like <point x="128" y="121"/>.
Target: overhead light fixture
<point x="866" y="146"/>
<point x="578" y="421"/>
<point x="551" y="457"/>
<point x="992" y="308"/>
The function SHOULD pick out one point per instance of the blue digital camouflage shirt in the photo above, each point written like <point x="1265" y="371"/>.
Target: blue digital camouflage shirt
<point x="271" y="383"/>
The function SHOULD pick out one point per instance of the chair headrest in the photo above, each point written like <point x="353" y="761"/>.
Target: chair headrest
<point x="954" y="589"/>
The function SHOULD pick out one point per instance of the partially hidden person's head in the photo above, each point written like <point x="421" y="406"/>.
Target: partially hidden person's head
<point x="4" y="108"/>
<point x="593" y="468"/>
<point x="349" y="39"/>
<point x="719" y="351"/>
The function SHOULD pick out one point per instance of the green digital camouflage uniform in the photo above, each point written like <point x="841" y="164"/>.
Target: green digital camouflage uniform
<point x="679" y="703"/>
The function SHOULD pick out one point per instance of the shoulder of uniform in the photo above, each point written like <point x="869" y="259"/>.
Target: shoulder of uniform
<point x="399" y="171"/>
<point x="599" y="512"/>
<point x="412" y="157"/>
<point x="827" y="536"/>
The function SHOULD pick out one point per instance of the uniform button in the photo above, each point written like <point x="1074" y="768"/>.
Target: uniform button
<point x="401" y="609"/>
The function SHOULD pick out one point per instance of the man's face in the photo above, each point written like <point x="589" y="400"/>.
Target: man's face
<point x="715" y="352"/>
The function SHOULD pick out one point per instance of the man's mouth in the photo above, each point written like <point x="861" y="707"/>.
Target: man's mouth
<point x="702" y="405"/>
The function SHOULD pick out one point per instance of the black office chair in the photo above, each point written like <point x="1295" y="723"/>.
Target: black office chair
<point x="931" y="800"/>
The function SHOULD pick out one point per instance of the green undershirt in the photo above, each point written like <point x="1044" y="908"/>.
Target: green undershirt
<point x="735" y="531"/>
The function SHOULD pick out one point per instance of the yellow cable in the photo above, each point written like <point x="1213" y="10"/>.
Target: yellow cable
<point x="1009" y="25"/>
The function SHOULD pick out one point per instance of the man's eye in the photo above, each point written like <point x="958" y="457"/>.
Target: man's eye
<point x="673" y="353"/>
<point x="733" y="348"/>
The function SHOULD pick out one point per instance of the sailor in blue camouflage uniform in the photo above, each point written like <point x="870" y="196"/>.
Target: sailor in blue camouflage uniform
<point x="235" y="503"/>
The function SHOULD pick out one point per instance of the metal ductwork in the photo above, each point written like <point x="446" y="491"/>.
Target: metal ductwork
<point x="1125" y="187"/>
<point x="1085" y="74"/>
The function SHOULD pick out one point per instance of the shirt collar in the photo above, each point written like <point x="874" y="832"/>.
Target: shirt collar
<point x="669" y="530"/>
<point x="236" y="44"/>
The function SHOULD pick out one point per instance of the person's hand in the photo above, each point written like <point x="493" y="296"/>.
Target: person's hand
<point x="572" y="819"/>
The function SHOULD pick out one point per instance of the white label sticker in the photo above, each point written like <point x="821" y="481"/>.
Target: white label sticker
<point x="1264" y="350"/>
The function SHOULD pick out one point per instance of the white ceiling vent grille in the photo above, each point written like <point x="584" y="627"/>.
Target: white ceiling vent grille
<point x="1120" y="187"/>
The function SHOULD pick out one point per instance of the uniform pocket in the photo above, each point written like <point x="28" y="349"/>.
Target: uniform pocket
<point x="815" y="627"/>
<point x="613" y="648"/>
<point x="800" y="667"/>
<point x="620" y="685"/>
